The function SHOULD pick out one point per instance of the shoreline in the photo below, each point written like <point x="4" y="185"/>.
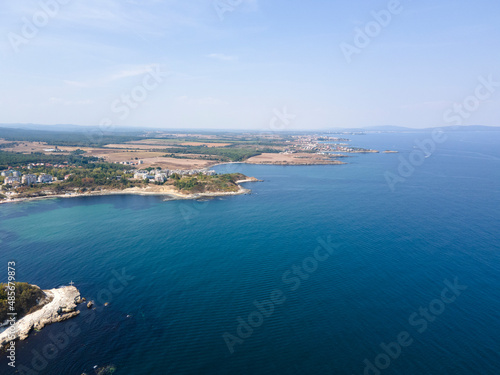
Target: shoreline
<point x="286" y="164"/>
<point x="61" y="306"/>
<point x="280" y="164"/>
<point x="147" y="191"/>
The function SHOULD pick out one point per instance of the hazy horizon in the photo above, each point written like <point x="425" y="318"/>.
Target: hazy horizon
<point x="250" y="66"/>
<point x="72" y="127"/>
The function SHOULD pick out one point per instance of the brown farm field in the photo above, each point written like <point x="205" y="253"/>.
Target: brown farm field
<point x="161" y="145"/>
<point x="29" y="147"/>
<point x="292" y="159"/>
<point x="169" y="143"/>
<point x="136" y="146"/>
<point x="115" y="153"/>
<point x="152" y="159"/>
<point x="114" y="156"/>
<point x="173" y="163"/>
<point x="209" y="144"/>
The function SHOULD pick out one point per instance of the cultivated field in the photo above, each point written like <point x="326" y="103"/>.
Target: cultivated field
<point x="292" y="159"/>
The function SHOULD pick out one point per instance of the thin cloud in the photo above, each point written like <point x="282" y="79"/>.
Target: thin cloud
<point x="132" y="72"/>
<point x="121" y="73"/>
<point x="222" y="57"/>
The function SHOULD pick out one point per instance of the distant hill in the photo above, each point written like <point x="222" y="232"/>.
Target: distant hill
<point x="72" y="128"/>
<point x="391" y="128"/>
<point x="137" y="131"/>
<point x="474" y="128"/>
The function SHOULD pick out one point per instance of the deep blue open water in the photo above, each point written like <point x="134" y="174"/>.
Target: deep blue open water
<point x="189" y="272"/>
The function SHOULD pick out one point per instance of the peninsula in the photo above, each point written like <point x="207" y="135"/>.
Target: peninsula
<point x="37" y="309"/>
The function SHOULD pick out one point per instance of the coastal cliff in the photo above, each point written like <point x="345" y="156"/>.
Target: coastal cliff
<point x="58" y="305"/>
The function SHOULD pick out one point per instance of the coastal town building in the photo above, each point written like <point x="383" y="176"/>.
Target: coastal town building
<point x="11" y="172"/>
<point x="161" y="177"/>
<point x="9" y="180"/>
<point x="192" y="172"/>
<point x="136" y="162"/>
<point x="141" y="175"/>
<point x="16" y="177"/>
<point x="164" y="174"/>
<point x="29" y="179"/>
<point x="45" y="178"/>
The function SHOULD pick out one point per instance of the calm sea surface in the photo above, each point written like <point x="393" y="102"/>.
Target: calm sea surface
<point x="349" y="262"/>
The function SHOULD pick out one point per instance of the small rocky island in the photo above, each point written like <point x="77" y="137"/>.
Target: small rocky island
<point x="35" y="309"/>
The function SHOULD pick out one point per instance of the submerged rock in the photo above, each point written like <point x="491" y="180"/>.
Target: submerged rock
<point x="106" y="370"/>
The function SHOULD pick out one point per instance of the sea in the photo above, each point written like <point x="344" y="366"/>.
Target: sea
<point x="389" y="264"/>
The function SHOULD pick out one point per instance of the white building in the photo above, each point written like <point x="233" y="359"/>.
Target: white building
<point x="29" y="179"/>
<point x="160" y="177"/>
<point x="45" y="178"/>
<point x="141" y="175"/>
<point x="11" y="179"/>
<point x="11" y="172"/>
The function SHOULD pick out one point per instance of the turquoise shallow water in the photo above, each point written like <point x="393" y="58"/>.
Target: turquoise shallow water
<point x="191" y="269"/>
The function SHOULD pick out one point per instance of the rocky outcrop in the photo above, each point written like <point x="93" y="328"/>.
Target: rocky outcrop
<point x="61" y="306"/>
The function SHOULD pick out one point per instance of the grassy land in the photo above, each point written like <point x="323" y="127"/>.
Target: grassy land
<point x="95" y="177"/>
<point x="15" y="159"/>
<point x="82" y="174"/>
<point x="202" y="184"/>
<point x="92" y="138"/>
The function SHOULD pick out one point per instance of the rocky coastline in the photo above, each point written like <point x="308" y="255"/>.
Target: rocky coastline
<point x="59" y="304"/>
<point x="167" y="191"/>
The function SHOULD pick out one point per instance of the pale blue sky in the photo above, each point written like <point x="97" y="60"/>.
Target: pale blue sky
<point x="236" y="71"/>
